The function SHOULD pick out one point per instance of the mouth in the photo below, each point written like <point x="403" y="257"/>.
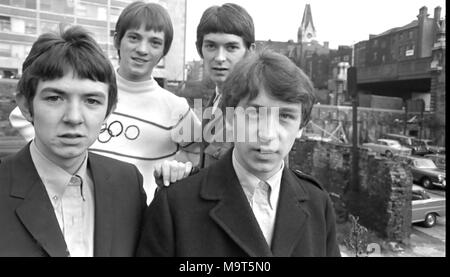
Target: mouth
<point x="220" y="69"/>
<point x="139" y="60"/>
<point x="264" y="151"/>
<point x="71" y="136"/>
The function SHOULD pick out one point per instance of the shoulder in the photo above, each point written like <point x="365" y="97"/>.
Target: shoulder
<point x="111" y="164"/>
<point x="308" y="179"/>
<point x="172" y="99"/>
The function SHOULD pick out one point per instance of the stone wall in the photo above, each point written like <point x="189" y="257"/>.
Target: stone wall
<point x="7" y="104"/>
<point x="382" y="200"/>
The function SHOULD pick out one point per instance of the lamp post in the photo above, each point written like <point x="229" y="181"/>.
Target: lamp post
<point x="352" y="88"/>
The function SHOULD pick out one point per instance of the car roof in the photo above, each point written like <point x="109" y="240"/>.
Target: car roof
<point x="388" y="140"/>
<point x="417" y="188"/>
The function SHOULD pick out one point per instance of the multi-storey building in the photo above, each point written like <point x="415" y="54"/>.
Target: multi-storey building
<point x="22" y="21"/>
<point x="397" y="61"/>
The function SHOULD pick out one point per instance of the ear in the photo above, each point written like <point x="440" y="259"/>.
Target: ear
<point x="252" y="47"/>
<point x="116" y="41"/>
<point x="199" y="49"/>
<point x="300" y="132"/>
<point x="24" y="107"/>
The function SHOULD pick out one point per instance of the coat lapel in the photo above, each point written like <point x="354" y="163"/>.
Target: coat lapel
<point x="36" y="211"/>
<point x="291" y="216"/>
<point x="232" y="212"/>
<point x="104" y="208"/>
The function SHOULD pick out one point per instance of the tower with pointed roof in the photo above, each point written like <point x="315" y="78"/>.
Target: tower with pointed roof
<point x="306" y="31"/>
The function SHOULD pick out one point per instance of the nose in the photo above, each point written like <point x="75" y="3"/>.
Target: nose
<point x="221" y="55"/>
<point x="73" y="114"/>
<point x="142" y="48"/>
<point x="267" y="126"/>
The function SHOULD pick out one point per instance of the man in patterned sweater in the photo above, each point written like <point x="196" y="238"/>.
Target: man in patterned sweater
<point x="142" y="130"/>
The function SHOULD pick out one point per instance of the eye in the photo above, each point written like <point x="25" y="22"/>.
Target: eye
<point x="53" y="98"/>
<point x="288" y="116"/>
<point x="93" y="101"/>
<point x="232" y="48"/>
<point x="156" y="43"/>
<point x="209" y="46"/>
<point x="132" y="37"/>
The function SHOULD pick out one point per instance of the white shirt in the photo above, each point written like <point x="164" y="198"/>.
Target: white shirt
<point x="249" y="183"/>
<point x="74" y="208"/>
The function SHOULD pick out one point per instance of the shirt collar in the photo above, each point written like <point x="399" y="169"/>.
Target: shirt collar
<point x="55" y="178"/>
<point x="250" y="181"/>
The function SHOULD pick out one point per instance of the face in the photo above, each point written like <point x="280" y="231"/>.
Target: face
<point x="271" y="127"/>
<point x="140" y="52"/>
<point x="221" y="52"/>
<point x="67" y="114"/>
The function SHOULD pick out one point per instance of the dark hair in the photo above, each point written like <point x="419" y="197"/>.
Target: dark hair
<point x="153" y="15"/>
<point x="228" y="18"/>
<point x="277" y="74"/>
<point x="53" y="55"/>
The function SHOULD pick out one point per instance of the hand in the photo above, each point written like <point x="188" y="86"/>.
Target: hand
<point x="171" y="171"/>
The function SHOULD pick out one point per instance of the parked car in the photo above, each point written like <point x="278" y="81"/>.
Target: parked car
<point x="418" y="146"/>
<point x="387" y="147"/>
<point x="438" y="159"/>
<point x="426" y="208"/>
<point x="426" y="173"/>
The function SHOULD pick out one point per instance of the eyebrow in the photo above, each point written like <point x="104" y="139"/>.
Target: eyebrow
<point x="62" y="92"/>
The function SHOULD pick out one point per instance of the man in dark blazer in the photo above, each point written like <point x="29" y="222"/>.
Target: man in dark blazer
<point x="225" y="35"/>
<point x="249" y="203"/>
<point x="56" y="199"/>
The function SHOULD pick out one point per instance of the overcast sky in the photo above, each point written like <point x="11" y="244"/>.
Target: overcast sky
<point x="341" y="22"/>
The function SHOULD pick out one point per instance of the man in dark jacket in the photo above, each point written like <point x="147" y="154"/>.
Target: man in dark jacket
<point x="249" y="203"/>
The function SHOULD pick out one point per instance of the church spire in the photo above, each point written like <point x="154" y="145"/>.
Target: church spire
<point x="306" y="32"/>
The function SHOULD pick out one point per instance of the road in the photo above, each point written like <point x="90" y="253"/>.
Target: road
<point x="429" y="242"/>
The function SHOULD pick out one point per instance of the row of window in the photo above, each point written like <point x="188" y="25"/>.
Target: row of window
<point x="71" y="7"/>
<point x="397" y="37"/>
<point x="29" y="26"/>
<point x="403" y="51"/>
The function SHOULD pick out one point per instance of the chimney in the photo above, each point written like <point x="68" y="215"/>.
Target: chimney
<point x="437" y="14"/>
<point x="423" y="13"/>
<point x="326" y="44"/>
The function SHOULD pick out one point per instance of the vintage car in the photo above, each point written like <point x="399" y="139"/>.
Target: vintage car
<point x="426" y="173"/>
<point x="418" y="146"/>
<point x="438" y="159"/>
<point x="426" y="208"/>
<point x="387" y="147"/>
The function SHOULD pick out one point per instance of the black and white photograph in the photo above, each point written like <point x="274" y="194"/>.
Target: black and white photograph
<point x="222" y="128"/>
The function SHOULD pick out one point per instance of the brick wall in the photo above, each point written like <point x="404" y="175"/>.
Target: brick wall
<point x="383" y="198"/>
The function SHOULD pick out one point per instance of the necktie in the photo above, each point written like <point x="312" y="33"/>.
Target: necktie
<point x="263" y="210"/>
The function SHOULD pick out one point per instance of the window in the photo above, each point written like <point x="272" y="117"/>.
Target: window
<point x="58" y="6"/>
<point x="409" y="50"/>
<point x="49" y="26"/>
<point x="28" y="4"/>
<point x="410" y="34"/>
<point x="91" y="11"/>
<point x="100" y="34"/>
<point x="5" y="50"/>
<point x="5" y="24"/>
<point x="114" y="14"/>
<point x="375" y="56"/>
